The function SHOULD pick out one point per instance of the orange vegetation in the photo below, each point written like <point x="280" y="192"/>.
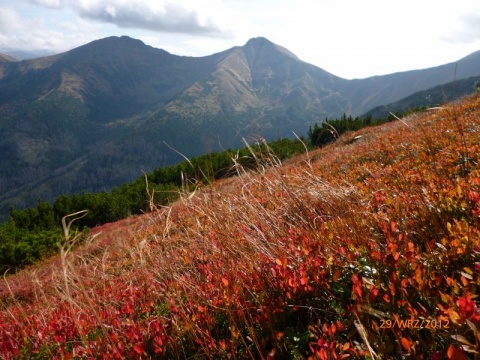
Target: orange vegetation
<point x="367" y="248"/>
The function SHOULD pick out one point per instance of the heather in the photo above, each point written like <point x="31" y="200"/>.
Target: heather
<point x="366" y="248"/>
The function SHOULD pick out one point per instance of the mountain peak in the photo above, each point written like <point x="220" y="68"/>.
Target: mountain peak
<point x="260" y="40"/>
<point x="118" y="41"/>
<point x="113" y="47"/>
<point x="262" y="43"/>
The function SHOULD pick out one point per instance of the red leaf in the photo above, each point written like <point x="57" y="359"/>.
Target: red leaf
<point x="411" y="247"/>
<point x="455" y="354"/>
<point x="467" y="307"/>
<point x="333" y="329"/>
<point x="322" y="354"/>
<point x="336" y="275"/>
<point x="357" y="286"/>
<point x="158" y="343"/>
<point x="138" y="349"/>
<point x="407" y="344"/>
<point x="450" y="281"/>
<point x="225" y="281"/>
<point x="393" y="226"/>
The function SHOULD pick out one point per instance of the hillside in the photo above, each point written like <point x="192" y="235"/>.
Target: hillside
<point x="97" y="116"/>
<point x="366" y="248"/>
<point x="6" y="58"/>
<point x="432" y="97"/>
<point x="383" y="90"/>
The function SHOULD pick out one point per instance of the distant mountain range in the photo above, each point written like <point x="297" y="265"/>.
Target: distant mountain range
<point x="427" y="98"/>
<point x="25" y="54"/>
<point x="97" y="116"/>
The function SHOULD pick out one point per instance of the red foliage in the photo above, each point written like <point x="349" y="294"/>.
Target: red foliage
<point x="467" y="308"/>
<point x="371" y="246"/>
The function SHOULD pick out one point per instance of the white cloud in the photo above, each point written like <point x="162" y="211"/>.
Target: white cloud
<point x="19" y="31"/>
<point x="468" y="30"/>
<point x="206" y="17"/>
<point x="55" y="4"/>
<point x="10" y="21"/>
<point x="36" y="33"/>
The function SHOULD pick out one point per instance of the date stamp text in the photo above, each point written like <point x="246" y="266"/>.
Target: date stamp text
<point x="414" y="324"/>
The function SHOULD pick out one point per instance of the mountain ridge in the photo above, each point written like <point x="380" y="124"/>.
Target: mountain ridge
<point x="432" y="97"/>
<point x="115" y="103"/>
<point x="7" y="58"/>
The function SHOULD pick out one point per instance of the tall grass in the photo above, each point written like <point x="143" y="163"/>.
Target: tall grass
<point x="364" y="249"/>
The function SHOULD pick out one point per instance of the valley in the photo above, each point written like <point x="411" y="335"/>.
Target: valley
<point x="100" y="115"/>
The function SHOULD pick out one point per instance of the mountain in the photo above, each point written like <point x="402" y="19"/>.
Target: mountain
<point x="258" y="89"/>
<point x="366" y="94"/>
<point x="97" y="116"/>
<point x="26" y="54"/>
<point x="428" y="98"/>
<point x="6" y="58"/>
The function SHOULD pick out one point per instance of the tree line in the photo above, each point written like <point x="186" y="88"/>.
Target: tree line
<point x="331" y="129"/>
<point x="33" y="233"/>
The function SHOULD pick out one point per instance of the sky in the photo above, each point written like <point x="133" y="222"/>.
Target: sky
<point x="348" y="38"/>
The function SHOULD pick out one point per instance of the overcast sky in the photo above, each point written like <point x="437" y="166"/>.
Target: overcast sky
<point x="349" y="38"/>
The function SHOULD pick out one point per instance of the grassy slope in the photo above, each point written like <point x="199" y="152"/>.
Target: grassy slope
<point x="320" y="257"/>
